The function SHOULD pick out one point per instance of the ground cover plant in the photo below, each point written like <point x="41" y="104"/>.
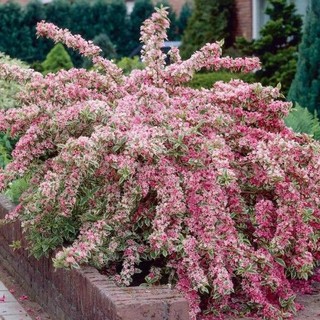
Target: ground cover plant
<point x="208" y="186"/>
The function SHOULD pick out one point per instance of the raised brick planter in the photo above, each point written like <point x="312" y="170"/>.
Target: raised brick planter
<point x="83" y="294"/>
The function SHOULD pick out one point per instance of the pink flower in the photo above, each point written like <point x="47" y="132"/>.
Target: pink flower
<point x="210" y="185"/>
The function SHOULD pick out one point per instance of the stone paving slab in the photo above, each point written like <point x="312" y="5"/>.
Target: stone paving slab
<point x="10" y="308"/>
<point x="6" y="296"/>
<point x="15" y="317"/>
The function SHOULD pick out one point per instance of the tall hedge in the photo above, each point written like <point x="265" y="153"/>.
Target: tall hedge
<point x="142" y="10"/>
<point x="32" y="13"/>
<point x="87" y="18"/>
<point x="305" y="88"/>
<point x="210" y="21"/>
<point x="117" y="26"/>
<point x="15" y="39"/>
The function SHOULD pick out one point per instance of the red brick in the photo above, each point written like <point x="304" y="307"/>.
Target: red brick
<point x="244" y="18"/>
<point x="83" y="294"/>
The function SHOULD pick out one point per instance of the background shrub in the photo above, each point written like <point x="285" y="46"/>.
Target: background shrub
<point x="56" y="60"/>
<point x="206" y="80"/>
<point x="15" y="38"/>
<point x="130" y="64"/>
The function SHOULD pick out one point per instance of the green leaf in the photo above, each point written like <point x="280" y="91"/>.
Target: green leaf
<point x="280" y="261"/>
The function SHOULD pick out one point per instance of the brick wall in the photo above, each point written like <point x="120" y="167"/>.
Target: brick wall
<point x="83" y="294"/>
<point x="244" y="18"/>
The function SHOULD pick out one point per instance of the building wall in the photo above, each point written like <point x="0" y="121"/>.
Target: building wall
<point x="244" y="18"/>
<point x="177" y="5"/>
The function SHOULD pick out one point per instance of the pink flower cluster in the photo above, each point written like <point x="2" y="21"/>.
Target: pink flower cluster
<point x="76" y="42"/>
<point x="138" y="168"/>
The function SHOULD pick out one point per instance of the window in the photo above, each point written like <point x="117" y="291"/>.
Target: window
<point x="259" y="18"/>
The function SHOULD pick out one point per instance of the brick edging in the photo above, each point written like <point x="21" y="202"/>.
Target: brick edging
<point x="83" y="294"/>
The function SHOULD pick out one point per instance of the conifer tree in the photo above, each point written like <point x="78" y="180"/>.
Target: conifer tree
<point x="185" y="14"/>
<point x="305" y="88"/>
<point x="277" y="46"/>
<point x="57" y="59"/>
<point x="210" y="21"/>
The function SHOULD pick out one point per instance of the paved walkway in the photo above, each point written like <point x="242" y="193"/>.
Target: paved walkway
<point x="10" y="308"/>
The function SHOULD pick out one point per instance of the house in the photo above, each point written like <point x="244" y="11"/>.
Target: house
<point x="251" y="15"/>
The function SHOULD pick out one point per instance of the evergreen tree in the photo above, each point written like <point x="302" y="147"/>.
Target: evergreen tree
<point x="57" y="59"/>
<point x="185" y="14"/>
<point x="277" y="45"/>
<point x="210" y="21"/>
<point x="305" y="88"/>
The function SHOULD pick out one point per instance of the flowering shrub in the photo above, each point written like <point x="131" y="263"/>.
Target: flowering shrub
<point x="128" y="169"/>
<point x="9" y="91"/>
<point x="9" y="98"/>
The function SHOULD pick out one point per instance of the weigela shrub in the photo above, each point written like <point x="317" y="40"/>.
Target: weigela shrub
<point x="128" y="169"/>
